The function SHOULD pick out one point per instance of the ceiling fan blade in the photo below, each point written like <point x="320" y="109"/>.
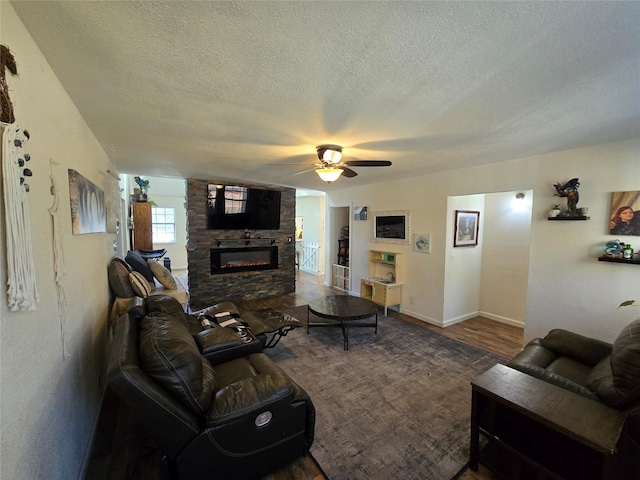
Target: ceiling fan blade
<point x="347" y="172"/>
<point x="368" y="163"/>
<point x="298" y="164"/>
<point x="305" y="171"/>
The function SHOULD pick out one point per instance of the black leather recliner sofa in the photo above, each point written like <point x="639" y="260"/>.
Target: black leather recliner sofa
<point x="238" y="416"/>
<point x="604" y="372"/>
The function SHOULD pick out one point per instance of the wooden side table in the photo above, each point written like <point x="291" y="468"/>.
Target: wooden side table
<point x="535" y="430"/>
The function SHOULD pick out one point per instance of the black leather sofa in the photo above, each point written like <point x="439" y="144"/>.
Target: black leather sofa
<point x="604" y="372"/>
<point x="233" y="414"/>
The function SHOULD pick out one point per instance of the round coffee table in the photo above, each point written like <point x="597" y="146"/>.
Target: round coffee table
<point x="342" y="309"/>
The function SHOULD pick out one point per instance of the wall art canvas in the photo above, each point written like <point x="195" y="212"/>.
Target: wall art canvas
<point x="360" y="213"/>
<point x="624" y="218"/>
<point x="422" y="242"/>
<point x="467" y="228"/>
<point x="87" y="205"/>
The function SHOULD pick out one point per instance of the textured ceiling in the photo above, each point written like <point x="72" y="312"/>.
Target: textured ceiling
<point x="223" y="89"/>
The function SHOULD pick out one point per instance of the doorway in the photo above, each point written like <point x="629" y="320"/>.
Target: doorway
<point x="339" y="236"/>
<point x="490" y="279"/>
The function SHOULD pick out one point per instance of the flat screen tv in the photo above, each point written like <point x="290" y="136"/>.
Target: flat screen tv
<point x="234" y="207"/>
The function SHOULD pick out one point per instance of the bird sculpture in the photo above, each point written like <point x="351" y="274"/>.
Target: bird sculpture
<point x="570" y="191"/>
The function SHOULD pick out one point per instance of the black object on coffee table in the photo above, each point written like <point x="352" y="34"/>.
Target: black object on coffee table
<point x="342" y="309"/>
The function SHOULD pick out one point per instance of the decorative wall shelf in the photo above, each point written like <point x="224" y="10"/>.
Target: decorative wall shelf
<point x="569" y="218"/>
<point x="631" y="261"/>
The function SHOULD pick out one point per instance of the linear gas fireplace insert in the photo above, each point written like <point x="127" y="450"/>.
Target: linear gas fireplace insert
<point x="243" y="259"/>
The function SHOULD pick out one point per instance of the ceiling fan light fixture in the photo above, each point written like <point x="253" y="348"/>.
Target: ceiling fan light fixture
<point x="332" y="156"/>
<point x="330" y="153"/>
<point x="329" y="174"/>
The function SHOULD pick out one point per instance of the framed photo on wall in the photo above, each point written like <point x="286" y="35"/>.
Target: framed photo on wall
<point x="422" y="242"/>
<point x="624" y="218"/>
<point x="359" y="213"/>
<point x="392" y="226"/>
<point x="467" y="225"/>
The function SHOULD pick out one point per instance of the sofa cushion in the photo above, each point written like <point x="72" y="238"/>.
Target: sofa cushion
<point x="118" y="272"/>
<point x="165" y="304"/>
<point x="162" y="274"/>
<point x="616" y="379"/>
<point x="169" y="355"/>
<point x="139" y="284"/>
<point x="139" y="264"/>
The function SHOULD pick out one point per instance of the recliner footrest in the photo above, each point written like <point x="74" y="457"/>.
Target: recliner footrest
<point x="270" y="325"/>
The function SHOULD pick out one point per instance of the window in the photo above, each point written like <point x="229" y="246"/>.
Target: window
<point x="163" y="222"/>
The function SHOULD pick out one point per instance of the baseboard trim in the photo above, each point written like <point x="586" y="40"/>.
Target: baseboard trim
<point x="498" y="318"/>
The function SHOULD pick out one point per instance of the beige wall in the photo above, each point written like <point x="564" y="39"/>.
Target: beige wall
<point x="49" y="403"/>
<point x="567" y="286"/>
<point x="506" y="242"/>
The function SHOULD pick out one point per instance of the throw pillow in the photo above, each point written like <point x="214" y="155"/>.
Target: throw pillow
<point x="118" y="272"/>
<point x="139" y="264"/>
<point x="169" y="355"/>
<point x="140" y="284"/>
<point x="163" y="275"/>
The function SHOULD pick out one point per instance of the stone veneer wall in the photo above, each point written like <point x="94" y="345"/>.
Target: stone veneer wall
<point x="206" y="289"/>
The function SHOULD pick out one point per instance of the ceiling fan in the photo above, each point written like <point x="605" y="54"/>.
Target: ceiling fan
<point x="331" y="166"/>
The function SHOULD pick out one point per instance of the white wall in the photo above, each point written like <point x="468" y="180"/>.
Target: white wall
<point x="567" y="286"/>
<point x="506" y="242"/>
<point x="49" y="404"/>
<point x="463" y="265"/>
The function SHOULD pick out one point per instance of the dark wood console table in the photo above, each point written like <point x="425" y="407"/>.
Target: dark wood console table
<point x="532" y="429"/>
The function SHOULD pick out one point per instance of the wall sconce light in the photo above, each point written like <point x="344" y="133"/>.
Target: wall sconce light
<point x="518" y="203"/>
<point x="329" y="174"/>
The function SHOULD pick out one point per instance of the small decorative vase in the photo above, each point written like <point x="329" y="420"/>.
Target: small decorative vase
<point x="627" y="251"/>
<point x="554" y="212"/>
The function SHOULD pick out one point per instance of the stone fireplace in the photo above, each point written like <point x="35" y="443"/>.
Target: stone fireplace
<point x="244" y="277"/>
<point x="243" y="259"/>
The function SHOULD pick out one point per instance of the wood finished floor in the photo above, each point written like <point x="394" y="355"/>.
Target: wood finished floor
<point x="110" y="462"/>
<point x="481" y="332"/>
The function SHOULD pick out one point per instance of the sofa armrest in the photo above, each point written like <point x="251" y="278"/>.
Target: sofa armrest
<point x="219" y="344"/>
<point x="554" y="379"/>
<point x="578" y="347"/>
<point x="249" y="395"/>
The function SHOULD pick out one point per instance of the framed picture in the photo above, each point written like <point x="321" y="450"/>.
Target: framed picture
<point x="360" y="213"/>
<point x="87" y="205"/>
<point x="391" y="226"/>
<point x="624" y="218"/>
<point x="467" y="227"/>
<point x="422" y="242"/>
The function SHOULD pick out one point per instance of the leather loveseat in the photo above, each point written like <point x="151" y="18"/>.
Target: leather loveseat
<point x="604" y="372"/>
<point x="234" y="416"/>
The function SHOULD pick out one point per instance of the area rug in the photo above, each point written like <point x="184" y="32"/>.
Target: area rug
<point x="397" y="404"/>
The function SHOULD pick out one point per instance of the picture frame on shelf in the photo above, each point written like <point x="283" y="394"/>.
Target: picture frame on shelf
<point x="467" y="227"/>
